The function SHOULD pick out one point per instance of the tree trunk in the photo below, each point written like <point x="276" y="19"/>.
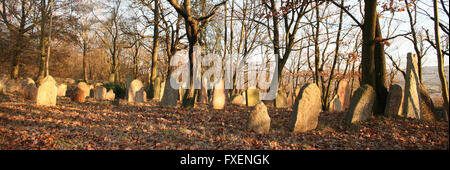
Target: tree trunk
<point x="368" y="46"/>
<point x="440" y="58"/>
<point x="325" y="103"/>
<point x="154" y="70"/>
<point x="42" y="43"/>
<point x="380" y="71"/>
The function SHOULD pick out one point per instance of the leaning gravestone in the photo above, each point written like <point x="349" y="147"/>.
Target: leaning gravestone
<point x="361" y="105"/>
<point x="62" y="88"/>
<point x="170" y="95"/>
<point x="47" y="92"/>
<point x="110" y="95"/>
<point x="394" y="100"/>
<point x="307" y="108"/>
<point x="281" y="100"/>
<point x="427" y="105"/>
<point x="100" y="93"/>
<point x="252" y="97"/>
<point x="344" y="93"/>
<point x="259" y="119"/>
<point x="411" y="101"/>
<point x="219" y="96"/>
<point x="136" y="91"/>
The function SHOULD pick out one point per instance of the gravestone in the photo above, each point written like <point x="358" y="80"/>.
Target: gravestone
<point x="394" y="100"/>
<point x="335" y="104"/>
<point x="252" y="97"/>
<point x="12" y="86"/>
<point x="30" y="92"/>
<point x="62" y="88"/>
<point x="84" y="88"/>
<point x="78" y="95"/>
<point x="281" y="100"/>
<point x="26" y="82"/>
<point x="411" y="100"/>
<point x="219" y="99"/>
<point x="110" y="95"/>
<point x="427" y="105"/>
<point x="47" y="92"/>
<point x="344" y="92"/>
<point x="170" y="95"/>
<point x="259" y="119"/>
<point x="361" y="105"/>
<point x="307" y="108"/>
<point x="100" y="93"/>
<point x="136" y="92"/>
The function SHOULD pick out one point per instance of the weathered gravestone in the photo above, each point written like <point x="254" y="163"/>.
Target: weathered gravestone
<point x="335" y="105"/>
<point x="219" y="99"/>
<point x="170" y="95"/>
<point x="62" y="88"/>
<point x="110" y="95"/>
<point x="411" y="100"/>
<point x="427" y="105"/>
<point x="361" y="105"/>
<point x="281" y="99"/>
<point x="252" y="97"/>
<point x="12" y="86"/>
<point x="394" y="101"/>
<point x="84" y="88"/>
<point x="100" y="93"/>
<point x="78" y="95"/>
<point x="30" y="92"/>
<point x="344" y="92"/>
<point x="136" y="92"/>
<point x="26" y="82"/>
<point x="259" y="119"/>
<point x="47" y="92"/>
<point x="307" y="108"/>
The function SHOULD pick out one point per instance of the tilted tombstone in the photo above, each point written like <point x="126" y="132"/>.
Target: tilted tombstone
<point x="361" y="105"/>
<point x="307" y="108"/>
<point x="259" y="119"/>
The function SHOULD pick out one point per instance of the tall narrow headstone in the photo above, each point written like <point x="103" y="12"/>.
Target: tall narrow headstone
<point x="344" y="93"/>
<point x="411" y="101"/>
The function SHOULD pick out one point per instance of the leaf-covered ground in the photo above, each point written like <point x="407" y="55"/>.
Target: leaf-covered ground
<point x="103" y="126"/>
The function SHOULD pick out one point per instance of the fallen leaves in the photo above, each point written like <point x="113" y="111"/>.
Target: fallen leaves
<point x="102" y="126"/>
